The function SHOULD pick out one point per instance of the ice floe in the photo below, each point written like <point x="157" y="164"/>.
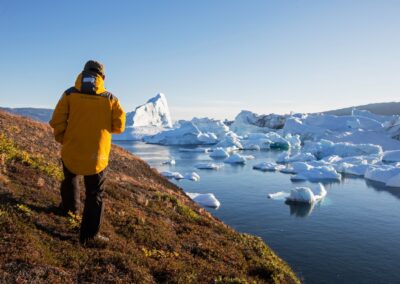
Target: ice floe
<point x="268" y="167"/>
<point x="208" y="166"/>
<point x="192" y="176"/>
<point x="219" y="153"/>
<point x="205" y="199"/>
<point x="306" y="194"/>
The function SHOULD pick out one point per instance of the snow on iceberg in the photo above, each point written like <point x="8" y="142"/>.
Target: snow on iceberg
<point x="186" y="134"/>
<point x="207" y="199"/>
<point x="306" y="194"/>
<point x="208" y="166"/>
<point x="268" y="167"/>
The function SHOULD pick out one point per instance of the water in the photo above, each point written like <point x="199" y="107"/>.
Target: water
<point x="353" y="236"/>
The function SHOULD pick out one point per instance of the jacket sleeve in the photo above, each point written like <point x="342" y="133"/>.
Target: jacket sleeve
<point x="118" y="118"/>
<point x="59" y="120"/>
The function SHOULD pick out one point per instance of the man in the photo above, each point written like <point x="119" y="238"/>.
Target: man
<point x="83" y="121"/>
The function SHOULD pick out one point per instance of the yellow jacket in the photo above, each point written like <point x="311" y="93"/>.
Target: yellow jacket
<point x="83" y="121"/>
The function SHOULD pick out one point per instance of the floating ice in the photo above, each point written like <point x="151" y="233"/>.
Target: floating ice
<point x="191" y="176"/>
<point x="278" y="195"/>
<point x="195" y="150"/>
<point x="208" y="166"/>
<point x="317" y="173"/>
<point x="219" y="153"/>
<point x="172" y="175"/>
<point x="169" y="162"/>
<point x="207" y="199"/>
<point x="306" y="194"/>
<point x="391" y="156"/>
<point x="186" y="134"/>
<point x="236" y="159"/>
<point x="268" y="167"/>
<point x="383" y="174"/>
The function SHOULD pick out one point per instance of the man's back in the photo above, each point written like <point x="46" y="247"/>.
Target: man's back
<point x="83" y="121"/>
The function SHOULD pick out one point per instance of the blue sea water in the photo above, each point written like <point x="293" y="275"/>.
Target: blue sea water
<point x="352" y="236"/>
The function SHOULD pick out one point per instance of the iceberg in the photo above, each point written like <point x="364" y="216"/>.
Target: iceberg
<point x="191" y="176"/>
<point x="237" y="159"/>
<point x="268" y="167"/>
<point x="249" y="122"/>
<point x="208" y="166"/>
<point x="383" y="174"/>
<point x="306" y="194"/>
<point x="391" y="156"/>
<point x="147" y="119"/>
<point x="208" y="125"/>
<point x="207" y="199"/>
<point x="325" y="148"/>
<point x="317" y="174"/>
<point x="230" y="139"/>
<point x="172" y="175"/>
<point x="169" y="162"/>
<point x="278" y="195"/>
<point x="186" y="134"/>
<point x="219" y="153"/>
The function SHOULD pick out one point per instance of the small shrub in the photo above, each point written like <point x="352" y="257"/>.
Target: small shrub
<point x="24" y="209"/>
<point x="74" y="220"/>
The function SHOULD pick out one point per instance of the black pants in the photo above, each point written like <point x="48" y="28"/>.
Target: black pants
<point x="94" y="207"/>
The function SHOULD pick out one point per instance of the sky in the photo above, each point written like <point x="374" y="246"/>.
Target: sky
<point x="210" y="58"/>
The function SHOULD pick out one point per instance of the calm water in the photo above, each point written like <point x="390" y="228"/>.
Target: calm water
<point x="353" y="236"/>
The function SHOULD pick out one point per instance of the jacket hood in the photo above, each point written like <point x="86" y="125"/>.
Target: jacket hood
<point x="89" y="83"/>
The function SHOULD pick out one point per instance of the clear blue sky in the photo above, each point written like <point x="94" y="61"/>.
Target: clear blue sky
<point x="211" y="58"/>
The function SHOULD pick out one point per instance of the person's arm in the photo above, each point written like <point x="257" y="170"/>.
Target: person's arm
<point x="59" y="120"/>
<point x="118" y="118"/>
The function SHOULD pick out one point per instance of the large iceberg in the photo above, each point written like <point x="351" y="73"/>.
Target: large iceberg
<point x="147" y="119"/>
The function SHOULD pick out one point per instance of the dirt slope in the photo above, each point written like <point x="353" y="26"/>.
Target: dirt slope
<point x="158" y="234"/>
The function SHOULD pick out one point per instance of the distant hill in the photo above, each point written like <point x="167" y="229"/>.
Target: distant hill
<point x="39" y="114"/>
<point x="389" y="108"/>
<point x="157" y="234"/>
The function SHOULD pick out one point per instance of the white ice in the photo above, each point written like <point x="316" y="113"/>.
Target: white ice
<point x="268" y="167"/>
<point x="306" y="194"/>
<point x="208" y="166"/>
<point x="206" y="199"/>
<point x="219" y="152"/>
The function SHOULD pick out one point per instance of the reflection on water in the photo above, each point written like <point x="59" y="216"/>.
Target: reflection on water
<point x="346" y="238"/>
<point x="300" y="209"/>
<point x="378" y="186"/>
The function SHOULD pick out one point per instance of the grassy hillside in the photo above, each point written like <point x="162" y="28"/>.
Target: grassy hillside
<point x="158" y="235"/>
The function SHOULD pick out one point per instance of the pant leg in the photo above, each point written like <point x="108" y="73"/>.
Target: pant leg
<point x="70" y="195"/>
<point x="93" y="211"/>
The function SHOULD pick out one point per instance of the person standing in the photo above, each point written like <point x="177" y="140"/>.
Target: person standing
<point x="83" y="121"/>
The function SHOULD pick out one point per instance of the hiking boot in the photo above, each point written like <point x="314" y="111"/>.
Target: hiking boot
<point x="99" y="241"/>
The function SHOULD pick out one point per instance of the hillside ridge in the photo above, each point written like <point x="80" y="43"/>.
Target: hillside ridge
<point x="158" y="235"/>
